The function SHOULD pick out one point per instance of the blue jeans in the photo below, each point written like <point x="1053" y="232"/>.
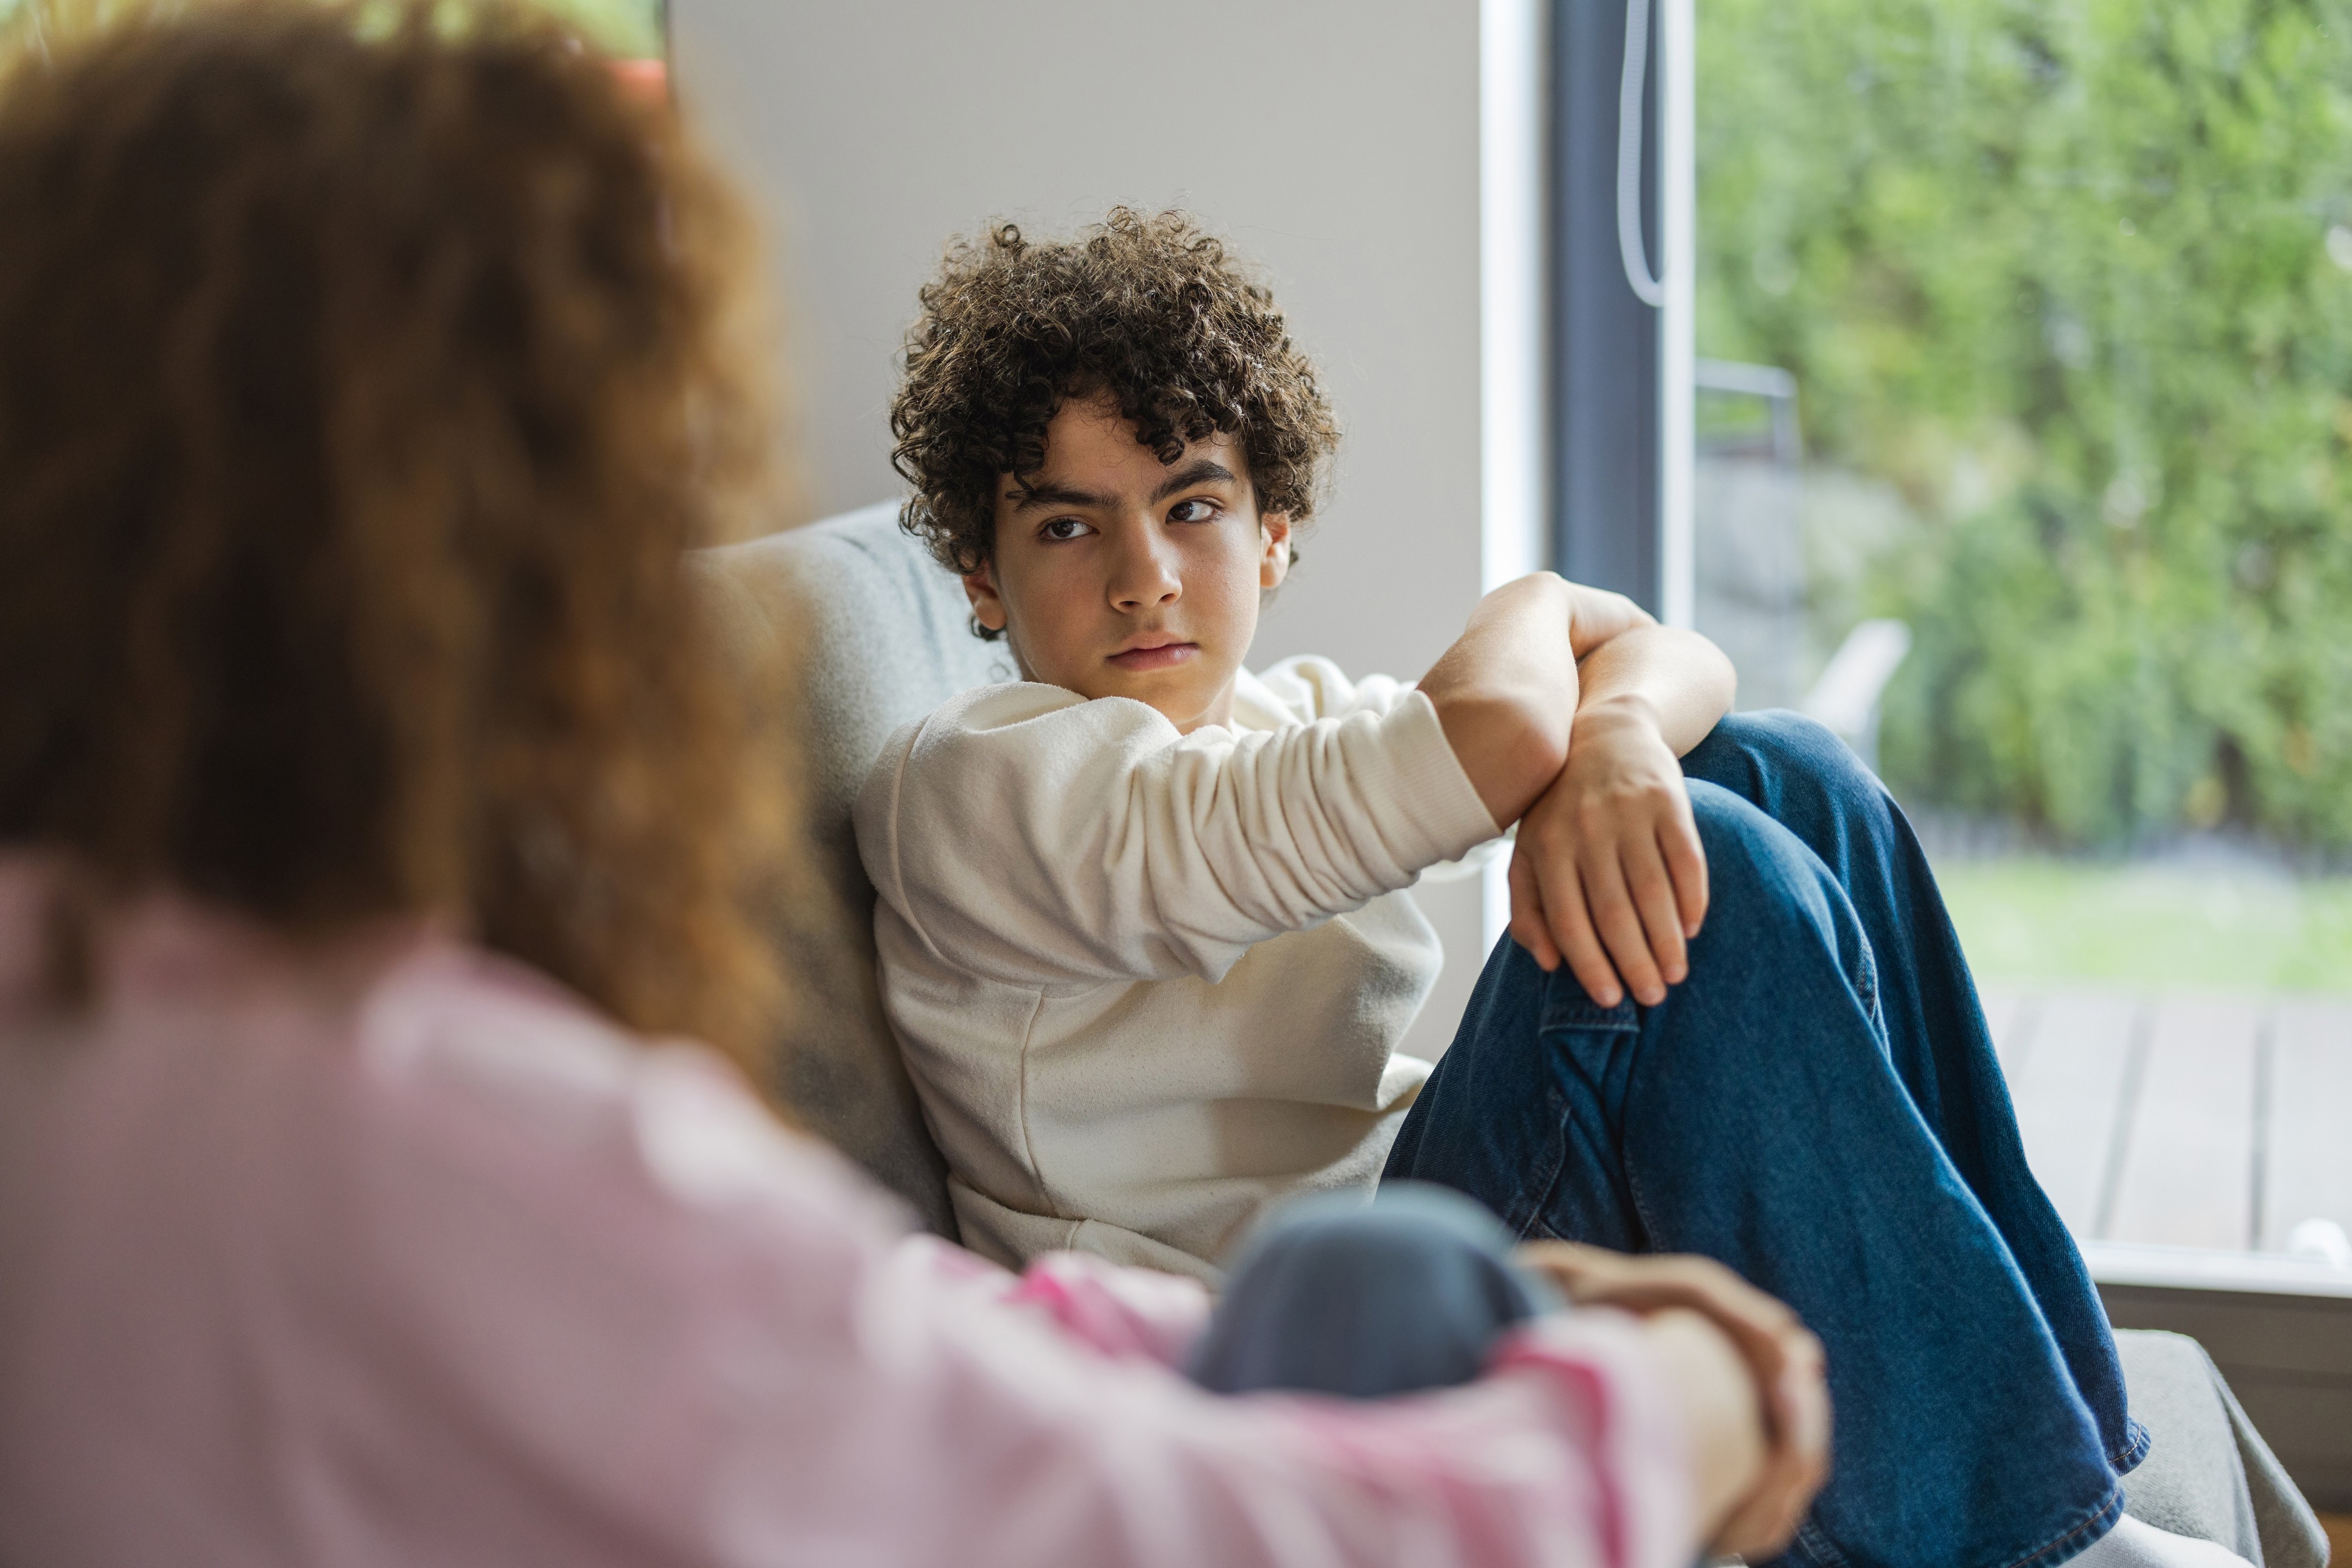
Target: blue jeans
<point x="1819" y="1105"/>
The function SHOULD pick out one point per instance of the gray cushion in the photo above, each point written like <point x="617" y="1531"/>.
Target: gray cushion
<point x="879" y="635"/>
<point x="2207" y="1472"/>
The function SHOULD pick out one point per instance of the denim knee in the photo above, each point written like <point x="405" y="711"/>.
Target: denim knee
<point x="1785" y="748"/>
<point x="1774" y="908"/>
<point x="1755" y="863"/>
<point x="1801" y="774"/>
<point x="1783" y="736"/>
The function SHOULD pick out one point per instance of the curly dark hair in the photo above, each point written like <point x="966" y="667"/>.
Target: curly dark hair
<point x="362" y="378"/>
<point x="1148" y="311"/>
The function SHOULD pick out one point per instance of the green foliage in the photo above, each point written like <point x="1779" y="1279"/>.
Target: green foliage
<point x="626" y="29"/>
<point x="2152" y="928"/>
<point x="2061" y="271"/>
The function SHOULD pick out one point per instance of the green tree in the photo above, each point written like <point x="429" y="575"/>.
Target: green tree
<point x="2076" y="277"/>
<point x="625" y="28"/>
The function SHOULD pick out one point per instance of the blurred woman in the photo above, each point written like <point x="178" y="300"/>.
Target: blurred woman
<point x="372" y="798"/>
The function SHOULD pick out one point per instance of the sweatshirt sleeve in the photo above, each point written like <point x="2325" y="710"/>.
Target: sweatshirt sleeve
<point x="1029" y="836"/>
<point x="678" y="1334"/>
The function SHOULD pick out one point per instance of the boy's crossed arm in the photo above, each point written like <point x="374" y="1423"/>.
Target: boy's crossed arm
<point x="1568" y="708"/>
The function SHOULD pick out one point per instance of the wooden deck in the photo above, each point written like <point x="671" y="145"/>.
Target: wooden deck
<point x="2210" y="1122"/>
<point x="2183" y="1138"/>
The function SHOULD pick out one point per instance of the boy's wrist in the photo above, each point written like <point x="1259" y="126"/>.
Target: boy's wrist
<point x="1615" y="710"/>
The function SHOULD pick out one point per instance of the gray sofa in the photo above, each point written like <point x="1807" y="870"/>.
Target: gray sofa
<point x="876" y="634"/>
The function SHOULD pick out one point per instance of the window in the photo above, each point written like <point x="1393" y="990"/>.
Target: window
<point x="2015" y="376"/>
<point x="2010" y="393"/>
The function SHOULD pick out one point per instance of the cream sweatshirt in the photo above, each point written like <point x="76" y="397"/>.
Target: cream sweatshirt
<point x="1148" y="983"/>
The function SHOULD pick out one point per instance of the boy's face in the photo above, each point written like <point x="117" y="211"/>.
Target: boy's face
<point x="1115" y="576"/>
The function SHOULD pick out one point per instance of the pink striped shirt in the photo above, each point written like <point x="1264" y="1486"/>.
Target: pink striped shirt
<point x="403" y="1255"/>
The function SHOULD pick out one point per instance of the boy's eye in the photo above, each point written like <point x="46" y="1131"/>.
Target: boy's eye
<point x="1064" y="527"/>
<point x="1192" y="512"/>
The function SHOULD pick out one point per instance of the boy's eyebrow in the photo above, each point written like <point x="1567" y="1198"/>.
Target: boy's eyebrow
<point x="1200" y="471"/>
<point x="1038" y="498"/>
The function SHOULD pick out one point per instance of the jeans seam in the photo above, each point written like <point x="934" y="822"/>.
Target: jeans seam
<point x="1819" y="1547"/>
<point x="1533" y="1195"/>
<point x="1537" y="1216"/>
<point x="1641" y="1209"/>
<point x="1559" y="1015"/>
<point x="1870" y="986"/>
<point x="1633" y="1182"/>
<point x="2133" y="1452"/>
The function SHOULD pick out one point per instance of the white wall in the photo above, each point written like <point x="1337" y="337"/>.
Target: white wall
<point x="1334" y="141"/>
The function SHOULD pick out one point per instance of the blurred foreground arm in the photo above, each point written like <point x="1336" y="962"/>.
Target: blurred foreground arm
<point x="1752" y="1379"/>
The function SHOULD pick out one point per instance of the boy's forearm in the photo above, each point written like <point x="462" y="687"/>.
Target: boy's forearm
<point x="1674" y="681"/>
<point x="1507" y="691"/>
<point x="1597" y="617"/>
<point x="1541" y="655"/>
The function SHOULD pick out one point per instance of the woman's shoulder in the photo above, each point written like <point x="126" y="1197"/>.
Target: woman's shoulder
<point x="457" y="1038"/>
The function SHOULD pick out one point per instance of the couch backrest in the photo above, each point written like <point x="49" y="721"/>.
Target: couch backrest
<point x="878" y="635"/>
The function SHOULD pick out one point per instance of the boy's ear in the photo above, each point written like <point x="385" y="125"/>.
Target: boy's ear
<point x="987" y="605"/>
<point x="1274" y="565"/>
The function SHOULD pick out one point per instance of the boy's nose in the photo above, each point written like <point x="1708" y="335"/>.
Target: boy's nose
<point x="1145" y="577"/>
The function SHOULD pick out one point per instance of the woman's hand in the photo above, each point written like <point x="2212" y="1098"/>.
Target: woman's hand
<point x="1791" y="1390"/>
<point x="1608" y="865"/>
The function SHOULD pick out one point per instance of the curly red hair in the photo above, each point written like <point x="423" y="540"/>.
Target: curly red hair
<point x="360" y="390"/>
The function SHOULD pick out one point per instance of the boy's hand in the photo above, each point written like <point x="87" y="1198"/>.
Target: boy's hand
<point x="1607" y="874"/>
<point x="1782" y="1357"/>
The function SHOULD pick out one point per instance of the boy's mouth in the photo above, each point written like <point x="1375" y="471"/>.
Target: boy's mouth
<point x="1151" y="655"/>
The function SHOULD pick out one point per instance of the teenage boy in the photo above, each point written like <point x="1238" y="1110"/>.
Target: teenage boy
<point x="1145" y="942"/>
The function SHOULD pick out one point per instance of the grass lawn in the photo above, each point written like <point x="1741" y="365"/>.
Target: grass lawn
<point x="2171" y="927"/>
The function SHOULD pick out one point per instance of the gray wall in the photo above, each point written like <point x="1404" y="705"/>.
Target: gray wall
<point x="1334" y="143"/>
